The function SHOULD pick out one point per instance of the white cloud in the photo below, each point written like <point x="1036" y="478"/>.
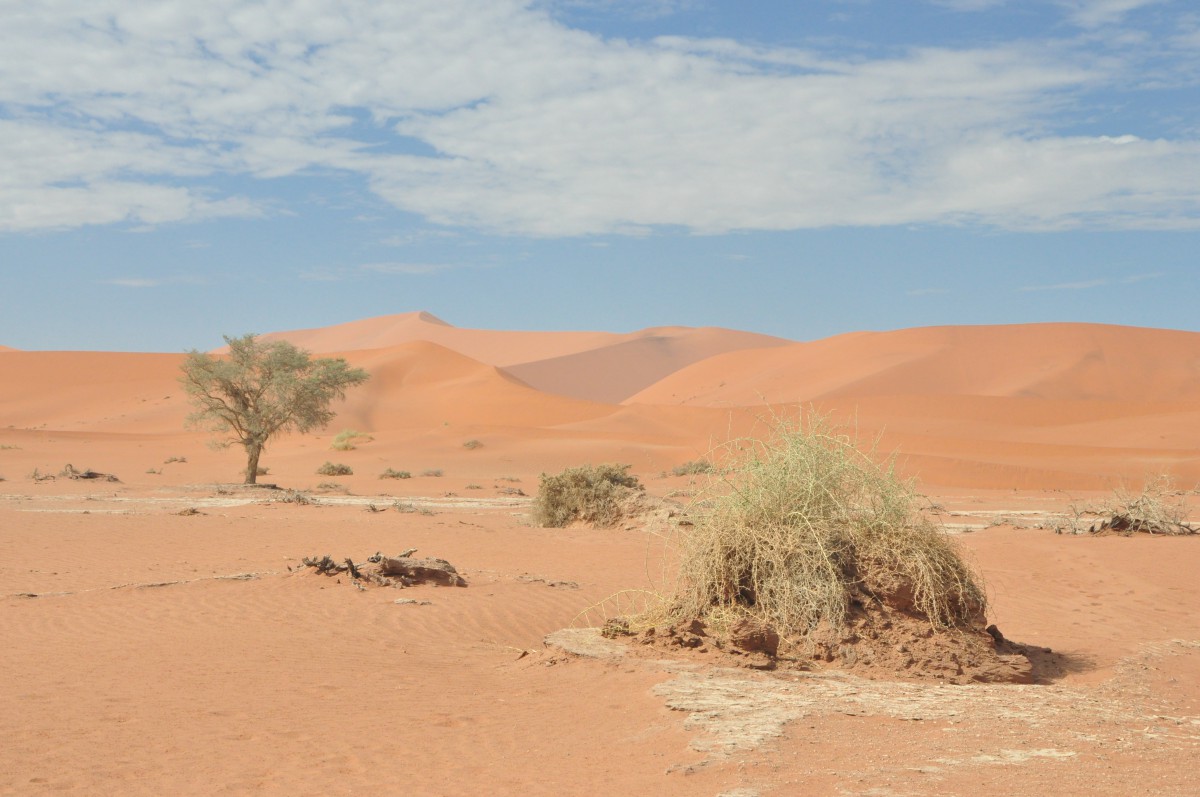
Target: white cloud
<point x="968" y="5"/>
<point x="150" y="282"/>
<point x="1095" y="13"/>
<point x="1100" y="282"/>
<point x="1081" y="285"/>
<point x="133" y="283"/>
<point x="116" y="113"/>
<point x="405" y="268"/>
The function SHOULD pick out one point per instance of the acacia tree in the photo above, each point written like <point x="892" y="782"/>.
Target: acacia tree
<point x="261" y="389"/>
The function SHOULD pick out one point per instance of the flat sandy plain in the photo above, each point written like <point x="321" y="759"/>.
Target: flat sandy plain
<point x="161" y="637"/>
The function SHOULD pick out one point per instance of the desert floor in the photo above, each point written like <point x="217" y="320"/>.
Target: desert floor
<point x="153" y="652"/>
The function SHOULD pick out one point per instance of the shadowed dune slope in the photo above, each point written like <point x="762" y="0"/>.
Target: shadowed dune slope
<point x="424" y="384"/>
<point x="615" y="372"/>
<point x="596" y="366"/>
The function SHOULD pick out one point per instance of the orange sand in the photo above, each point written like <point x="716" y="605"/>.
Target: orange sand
<point x="291" y="683"/>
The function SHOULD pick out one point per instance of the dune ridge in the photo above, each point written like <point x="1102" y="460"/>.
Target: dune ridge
<point x="1055" y="405"/>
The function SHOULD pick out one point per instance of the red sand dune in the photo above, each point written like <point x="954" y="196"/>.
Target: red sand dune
<point x="494" y="347"/>
<point x="1048" y="361"/>
<point x="1062" y="405"/>
<point x="617" y="371"/>
<point x="1057" y="406"/>
<point x="597" y="366"/>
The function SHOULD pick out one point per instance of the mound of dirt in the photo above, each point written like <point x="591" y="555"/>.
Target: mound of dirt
<point x="881" y="643"/>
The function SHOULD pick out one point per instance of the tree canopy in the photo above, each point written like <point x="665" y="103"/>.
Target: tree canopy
<point x="261" y="389"/>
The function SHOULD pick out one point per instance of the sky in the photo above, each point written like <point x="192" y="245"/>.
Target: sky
<point x="175" y="171"/>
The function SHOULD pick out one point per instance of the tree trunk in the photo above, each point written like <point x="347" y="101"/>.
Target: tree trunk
<point x="253" y="451"/>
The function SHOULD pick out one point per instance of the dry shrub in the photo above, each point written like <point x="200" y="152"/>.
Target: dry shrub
<point x="692" y="468"/>
<point x="1158" y="509"/>
<point x="335" y="469"/>
<point x="348" y="440"/>
<point x="591" y="493"/>
<point x="807" y="525"/>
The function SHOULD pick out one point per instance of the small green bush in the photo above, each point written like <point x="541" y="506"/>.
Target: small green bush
<point x="335" y="469"/>
<point x="347" y="438"/>
<point x="395" y="474"/>
<point x="471" y="445"/>
<point x="592" y="493"/>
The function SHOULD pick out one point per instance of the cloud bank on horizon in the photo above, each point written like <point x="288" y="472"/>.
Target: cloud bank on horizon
<point x="549" y="119"/>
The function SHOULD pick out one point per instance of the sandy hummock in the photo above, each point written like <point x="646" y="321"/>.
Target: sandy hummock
<point x="164" y="637"/>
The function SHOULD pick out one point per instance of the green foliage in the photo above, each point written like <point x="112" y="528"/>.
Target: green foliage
<point x="261" y="389"/>
<point x="348" y="439"/>
<point x="395" y="474"/>
<point x="335" y="469"/>
<point x="592" y="493"/>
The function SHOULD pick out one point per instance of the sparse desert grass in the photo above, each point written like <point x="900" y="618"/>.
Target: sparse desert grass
<point x="7" y="447"/>
<point x="332" y="487"/>
<point x="435" y="472"/>
<point x="592" y="493"/>
<point x="295" y="497"/>
<point x="335" y="469"/>
<point x="472" y="444"/>
<point x="348" y="440"/>
<point x="395" y="474"/>
<point x="1158" y="508"/>
<point x="513" y="479"/>
<point x="474" y="487"/>
<point x="806" y="524"/>
<point x="409" y="508"/>
<point x="692" y="468"/>
<point x="169" y="460"/>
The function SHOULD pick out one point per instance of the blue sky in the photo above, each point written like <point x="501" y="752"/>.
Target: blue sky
<point x="175" y="171"/>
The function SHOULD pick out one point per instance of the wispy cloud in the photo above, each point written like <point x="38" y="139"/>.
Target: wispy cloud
<point x="1081" y="285"/>
<point x="1100" y="282"/>
<point x="151" y="282"/>
<point x="968" y="5"/>
<point x="528" y="127"/>
<point x="1094" y="13"/>
<point x="133" y="282"/>
<point x="417" y="236"/>
<point x="405" y="268"/>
